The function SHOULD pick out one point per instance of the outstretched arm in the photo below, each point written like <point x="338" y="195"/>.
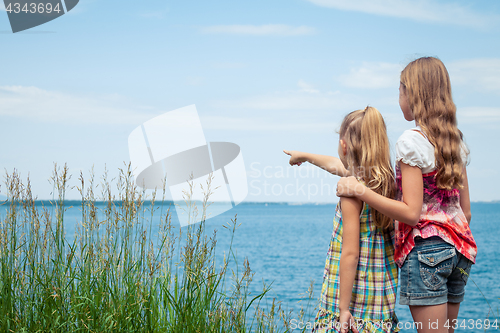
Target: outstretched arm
<point x="329" y="163"/>
<point x="406" y="211"/>
<point x="351" y="208"/>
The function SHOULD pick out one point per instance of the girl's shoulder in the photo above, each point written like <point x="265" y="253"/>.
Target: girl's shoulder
<point x="413" y="148"/>
<point x="415" y="136"/>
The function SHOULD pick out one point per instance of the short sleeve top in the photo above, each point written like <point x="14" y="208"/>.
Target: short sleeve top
<point x="441" y="213"/>
<point x="413" y="148"/>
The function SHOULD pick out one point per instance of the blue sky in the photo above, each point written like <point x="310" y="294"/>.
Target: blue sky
<point x="267" y="75"/>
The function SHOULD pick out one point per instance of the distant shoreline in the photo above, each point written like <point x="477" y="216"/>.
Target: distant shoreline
<point x="157" y="202"/>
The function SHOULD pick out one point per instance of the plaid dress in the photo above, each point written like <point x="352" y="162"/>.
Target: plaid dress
<point x="374" y="291"/>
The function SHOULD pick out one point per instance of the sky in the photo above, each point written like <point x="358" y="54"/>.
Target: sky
<point x="266" y="75"/>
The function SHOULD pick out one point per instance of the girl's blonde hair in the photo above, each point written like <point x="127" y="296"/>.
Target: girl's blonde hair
<point x="428" y="88"/>
<point x="368" y="154"/>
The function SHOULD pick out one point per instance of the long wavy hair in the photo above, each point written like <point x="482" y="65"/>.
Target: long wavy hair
<point x="428" y="88"/>
<point x="368" y="154"/>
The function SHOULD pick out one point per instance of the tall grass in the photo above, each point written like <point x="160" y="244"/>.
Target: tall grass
<point x="116" y="274"/>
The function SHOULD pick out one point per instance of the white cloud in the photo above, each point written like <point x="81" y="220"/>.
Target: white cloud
<point x="306" y="100"/>
<point x="418" y="10"/>
<point x="479" y="114"/>
<point x="304" y="109"/>
<point x="263" y="124"/>
<point x="157" y="13"/>
<point x="294" y="100"/>
<point x="259" y="30"/>
<point x="53" y="106"/>
<point x="372" y="75"/>
<point x="305" y="87"/>
<point x="481" y="74"/>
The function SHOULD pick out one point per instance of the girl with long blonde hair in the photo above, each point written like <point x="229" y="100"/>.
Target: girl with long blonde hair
<point x="360" y="276"/>
<point x="434" y="245"/>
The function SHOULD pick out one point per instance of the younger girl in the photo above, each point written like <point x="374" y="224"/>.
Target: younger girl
<point x="360" y="277"/>
<point x="434" y="246"/>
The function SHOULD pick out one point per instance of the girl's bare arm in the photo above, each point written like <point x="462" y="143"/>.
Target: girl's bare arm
<point x="351" y="208"/>
<point x="406" y="211"/>
<point x="329" y="163"/>
<point x="464" y="198"/>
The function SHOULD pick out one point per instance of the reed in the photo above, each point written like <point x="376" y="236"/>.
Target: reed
<point x="116" y="274"/>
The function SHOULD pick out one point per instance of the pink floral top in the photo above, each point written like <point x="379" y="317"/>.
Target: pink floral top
<point x="441" y="213"/>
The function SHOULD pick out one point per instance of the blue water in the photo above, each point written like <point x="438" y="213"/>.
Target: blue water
<point x="286" y="245"/>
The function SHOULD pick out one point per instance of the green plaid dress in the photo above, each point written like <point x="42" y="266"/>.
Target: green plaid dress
<point x="374" y="290"/>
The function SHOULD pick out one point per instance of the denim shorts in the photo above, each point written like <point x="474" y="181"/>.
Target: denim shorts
<point x="432" y="273"/>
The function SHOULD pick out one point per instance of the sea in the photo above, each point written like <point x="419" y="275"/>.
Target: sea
<point x="286" y="246"/>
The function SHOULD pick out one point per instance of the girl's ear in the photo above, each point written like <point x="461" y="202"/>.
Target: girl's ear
<point x="344" y="147"/>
